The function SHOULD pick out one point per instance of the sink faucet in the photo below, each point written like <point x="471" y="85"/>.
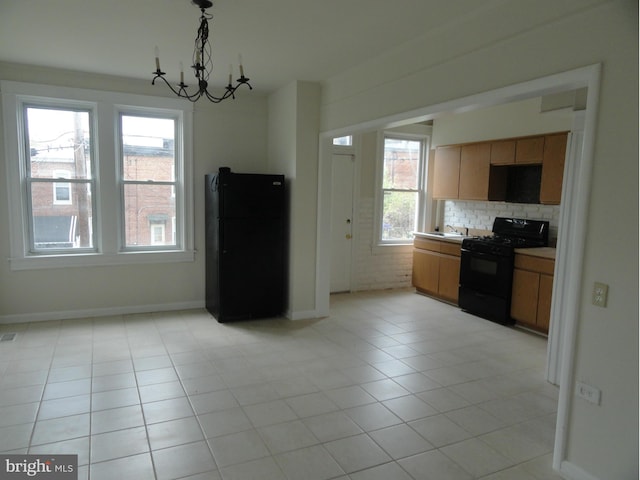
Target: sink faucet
<point x="459" y="233"/>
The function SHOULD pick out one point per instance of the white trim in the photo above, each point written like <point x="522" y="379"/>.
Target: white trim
<point x="573" y="214"/>
<point x="100" y="260"/>
<point x="105" y="106"/>
<point x="574" y="207"/>
<point x="99" y="312"/>
<point x="302" y="314"/>
<point x="571" y="471"/>
<point x="379" y="245"/>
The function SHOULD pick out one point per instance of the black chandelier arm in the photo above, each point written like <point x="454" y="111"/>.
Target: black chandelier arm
<point x="203" y="91"/>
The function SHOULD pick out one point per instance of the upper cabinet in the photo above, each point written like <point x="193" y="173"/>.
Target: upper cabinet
<point x="446" y="172"/>
<point x="482" y="170"/>
<point x="555" y="149"/>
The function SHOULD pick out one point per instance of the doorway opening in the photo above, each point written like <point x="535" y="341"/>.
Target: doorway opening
<point x="572" y="222"/>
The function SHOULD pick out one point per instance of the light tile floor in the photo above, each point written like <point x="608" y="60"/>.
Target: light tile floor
<point x="393" y="385"/>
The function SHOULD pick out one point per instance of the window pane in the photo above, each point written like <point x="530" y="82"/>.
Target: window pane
<point x="61" y="225"/>
<point x="343" y="141"/>
<point x="399" y="215"/>
<point x="149" y="209"/>
<point x="148" y="148"/>
<point x="401" y="163"/>
<point x="59" y="141"/>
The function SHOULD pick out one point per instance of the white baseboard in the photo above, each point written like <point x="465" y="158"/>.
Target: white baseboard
<point x="302" y="315"/>
<point x="571" y="471"/>
<point x="99" y="312"/>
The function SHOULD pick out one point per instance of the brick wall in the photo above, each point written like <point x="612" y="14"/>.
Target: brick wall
<point x="480" y="215"/>
<point x="375" y="269"/>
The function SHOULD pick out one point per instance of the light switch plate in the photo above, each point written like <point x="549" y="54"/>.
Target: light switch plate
<point x="599" y="295"/>
<point x="589" y="393"/>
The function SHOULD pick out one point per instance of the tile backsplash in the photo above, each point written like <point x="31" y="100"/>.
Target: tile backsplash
<point x="480" y="215"/>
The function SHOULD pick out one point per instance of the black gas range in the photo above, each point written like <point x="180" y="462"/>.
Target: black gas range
<point x="486" y="266"/>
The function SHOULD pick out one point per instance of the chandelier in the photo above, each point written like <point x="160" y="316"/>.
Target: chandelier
<point x="202" y="65"/>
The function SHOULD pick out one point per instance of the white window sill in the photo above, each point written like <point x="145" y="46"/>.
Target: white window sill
<point x="38" y="262"/>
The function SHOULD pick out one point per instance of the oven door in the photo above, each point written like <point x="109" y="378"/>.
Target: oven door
<point x="486" y="273"/>
<point x="485" y="285"/>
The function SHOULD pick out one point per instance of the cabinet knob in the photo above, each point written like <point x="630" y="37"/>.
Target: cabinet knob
<point x="348" y="236"/>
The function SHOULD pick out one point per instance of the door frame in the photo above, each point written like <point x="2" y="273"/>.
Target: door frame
<point x="574" y="211"/>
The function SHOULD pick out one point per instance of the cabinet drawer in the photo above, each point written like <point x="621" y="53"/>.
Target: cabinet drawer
<point x="534" y="264"/>
<point x="450" y="248"/>
<point x="426" y="244"/>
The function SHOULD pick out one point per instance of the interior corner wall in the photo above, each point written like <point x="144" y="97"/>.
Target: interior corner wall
<point x="602" y="440"/>
<point x="293" y="150"/>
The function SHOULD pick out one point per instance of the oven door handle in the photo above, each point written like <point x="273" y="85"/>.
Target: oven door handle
<point x="482" y="254"/>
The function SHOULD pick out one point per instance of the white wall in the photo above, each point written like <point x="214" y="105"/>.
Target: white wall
<point x="293" y="150"/>
<point x="229" y="134"/>
<point x="514" y="119"/>
<point x="602" y="440"/>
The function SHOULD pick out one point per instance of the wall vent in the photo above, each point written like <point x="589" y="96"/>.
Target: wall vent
<point x="8" y="337"/>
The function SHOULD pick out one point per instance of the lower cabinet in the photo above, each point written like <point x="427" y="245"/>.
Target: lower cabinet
<point x="436" y="268"/>
<point x="531" y="292"/>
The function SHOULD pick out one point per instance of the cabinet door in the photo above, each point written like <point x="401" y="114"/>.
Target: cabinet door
<point x="544" y="302"/>
<point x="426" y="267"/>
<point x="524" y="296"/>
<point x="530" y="150"/>
<point x="555" y="148"/>
<point x="449" y="277"/>
<point x="503" y="152"/>
<point x="446" y="172"/>
<point x="474" y="171"/>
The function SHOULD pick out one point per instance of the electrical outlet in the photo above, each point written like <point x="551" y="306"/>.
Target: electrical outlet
<point x="587" y="392"/>
<point x="599" y="295"/>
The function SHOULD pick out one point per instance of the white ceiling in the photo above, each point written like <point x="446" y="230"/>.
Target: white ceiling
<point x="280" y="40"/>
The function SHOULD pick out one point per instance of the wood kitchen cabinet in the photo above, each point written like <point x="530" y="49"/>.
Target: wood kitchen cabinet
<point x="529" y="150"/>
<point x="555" y="149"/>
<point x="531" y="291"/>
<point x="503" y="152"/>
<point x="436" y="268"/>
<point x="474" y="171"/>
<point x="446" y="172"/>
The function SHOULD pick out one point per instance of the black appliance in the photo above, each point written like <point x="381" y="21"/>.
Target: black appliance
<point x="245" y="240"/>
<point x="486" y="266"/>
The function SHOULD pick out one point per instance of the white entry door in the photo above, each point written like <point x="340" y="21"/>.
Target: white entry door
<point x="342" y="173"/>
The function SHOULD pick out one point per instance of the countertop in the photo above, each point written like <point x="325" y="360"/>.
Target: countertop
<point x="543" y="252"/>
<point x="446" y="237"/>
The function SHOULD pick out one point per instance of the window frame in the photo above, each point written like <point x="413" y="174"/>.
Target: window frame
<point x="107" y="233"/>
<point x="379" y="243"/>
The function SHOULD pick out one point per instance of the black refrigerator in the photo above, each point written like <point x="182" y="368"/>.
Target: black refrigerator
<point x="245" y="245"/>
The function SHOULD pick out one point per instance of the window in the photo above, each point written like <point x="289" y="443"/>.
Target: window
<point x="77" y="198"/>
<point x="58" y="144"/>
<point x="401" y="188"/>
<point x="148" y="167"/>
<point x="345" y="141"/>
